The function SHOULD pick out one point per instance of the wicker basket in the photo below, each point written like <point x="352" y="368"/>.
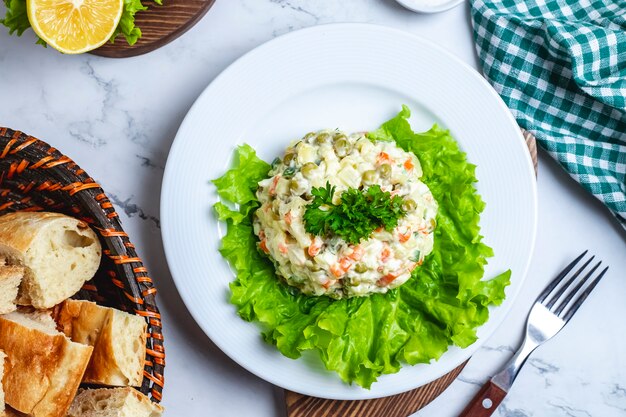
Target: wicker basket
<point x="34" y="177"/>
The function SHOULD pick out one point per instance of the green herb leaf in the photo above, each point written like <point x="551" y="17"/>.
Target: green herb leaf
<point x="358" y="214"/>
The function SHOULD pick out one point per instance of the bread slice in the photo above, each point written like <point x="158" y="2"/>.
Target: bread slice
<point x="10" y="278"/>
<point x="59" y="254"/>
<point x="2" y="358"/>
<point x="113" y="402"/>
<point x="9" y="412"/>
<point x="118" y="339"/>
<point x="44" y="368"/>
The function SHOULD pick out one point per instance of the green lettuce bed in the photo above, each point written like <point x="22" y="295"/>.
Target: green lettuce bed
<point x="361" y="338"/>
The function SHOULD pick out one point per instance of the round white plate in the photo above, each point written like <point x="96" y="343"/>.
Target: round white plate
<point x="354" y="77"/>
<point x="429" y="6"/>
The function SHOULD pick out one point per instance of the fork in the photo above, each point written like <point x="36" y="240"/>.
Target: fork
<point x="548" y="315"/>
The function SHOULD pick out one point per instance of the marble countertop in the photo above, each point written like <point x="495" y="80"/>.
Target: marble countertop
<point x="117" y="119"/>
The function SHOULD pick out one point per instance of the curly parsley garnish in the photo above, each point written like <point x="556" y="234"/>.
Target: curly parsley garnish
<point x="359" y="213"/>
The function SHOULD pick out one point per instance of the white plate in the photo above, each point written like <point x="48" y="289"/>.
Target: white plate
<point x="429" y="6"/>
<point x="351" y="76"/>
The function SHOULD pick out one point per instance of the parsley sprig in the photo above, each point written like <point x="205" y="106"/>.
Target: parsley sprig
<point x="359" y="213"/>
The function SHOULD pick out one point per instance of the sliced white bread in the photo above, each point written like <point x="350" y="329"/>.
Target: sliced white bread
<point x="43" y="317"/>
<point x="2" y="359"/>
<point x="10" y="278"/>
<point x="113" y="402"/>
<point x="118" y="339"/>
<point x="44" y="368"/>
<point x="59" y="254"/>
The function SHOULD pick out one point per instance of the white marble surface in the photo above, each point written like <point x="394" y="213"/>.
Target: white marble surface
<point x="117" y="119"/>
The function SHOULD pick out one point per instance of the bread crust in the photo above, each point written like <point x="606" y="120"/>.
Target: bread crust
<point x="109" y="331"/>
<point x="31" y="238"/>
<point x="44" y="369"/>
<point x="111" y="402"/>
<point x="2" y="364"/>
<point x="10" y="279"/>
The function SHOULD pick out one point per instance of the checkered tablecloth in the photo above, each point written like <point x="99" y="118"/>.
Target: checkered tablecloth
<point x="560" y="66"/>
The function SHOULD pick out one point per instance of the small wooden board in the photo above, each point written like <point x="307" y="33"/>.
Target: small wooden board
<point x="401" y="405"/>
<point x="159" y="26"/>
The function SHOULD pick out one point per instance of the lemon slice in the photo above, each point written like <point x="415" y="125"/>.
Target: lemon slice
<point x="74" y="26"/>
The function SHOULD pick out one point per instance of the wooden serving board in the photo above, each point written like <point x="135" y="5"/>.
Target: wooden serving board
<point x="159" y="26"/>
<point x="401" y="405"/>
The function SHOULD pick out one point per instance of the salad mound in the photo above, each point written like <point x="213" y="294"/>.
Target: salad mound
<point x="361" y="338"/>
<point x="344" y="216"/>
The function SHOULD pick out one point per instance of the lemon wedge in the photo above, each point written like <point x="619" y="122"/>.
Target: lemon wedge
<point x="74" y="26"/>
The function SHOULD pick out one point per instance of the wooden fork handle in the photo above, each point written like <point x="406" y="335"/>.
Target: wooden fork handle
<point x="485" y="402"/>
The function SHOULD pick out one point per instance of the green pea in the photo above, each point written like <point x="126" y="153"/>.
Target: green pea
<point x="341" y="146"/>
<point x="276" y="162"/>
<point x="289" y="172"/>
<point x="409" y="205"/>
<point x="293" y="185"/>
<point x="308" y="168"/>
<point x="360" y="268"/>
<point x="315" y="267"/>
<point x="289" y="158"/>
<point x="369" y="176"/>
<point x="385" y="170"/>
<point x="308" y="136"/>
<point x="322" y="138"/>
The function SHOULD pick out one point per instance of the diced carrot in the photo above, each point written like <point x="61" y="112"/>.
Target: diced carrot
<point x="404" y="237"/>
<point x="423" y="230"/>
<point x="408" y="164"/>
<point x="380" y="229"/>
<point x="274" y="184"/>
<point x="383" y="158"/>
<point x="262" y="234"/>
<point x="283" y="248"/>
<point x="357" y="253"/>
<point x="263" y="246"/>
<point x="337" y="270"/>
<point x="315" y="247"/>
<point x="345" y="263"/>
<point x="328" y="283"/>
<point x="387" y="279"/>
<point x="288" y="217"/>
<point x="384" y="255"/>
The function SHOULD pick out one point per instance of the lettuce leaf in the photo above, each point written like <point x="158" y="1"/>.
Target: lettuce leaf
<point x="361" y="338"/>
<point x="16" y="18"/>
<point x="127" y="27"/>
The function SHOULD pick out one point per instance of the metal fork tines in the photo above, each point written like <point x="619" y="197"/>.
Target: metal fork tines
<point x="554" y="307"/>
<point x="566" y="308"/>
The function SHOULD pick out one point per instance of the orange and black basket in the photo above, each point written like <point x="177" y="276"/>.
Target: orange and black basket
<point x="36" y="177"/>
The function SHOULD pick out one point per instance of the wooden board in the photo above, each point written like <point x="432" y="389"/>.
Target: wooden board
<point x="159" y="26"/>
<point x="401" y="405"/>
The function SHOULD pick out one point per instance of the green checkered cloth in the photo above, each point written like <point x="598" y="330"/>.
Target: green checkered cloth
<point x="560" y="66"/>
